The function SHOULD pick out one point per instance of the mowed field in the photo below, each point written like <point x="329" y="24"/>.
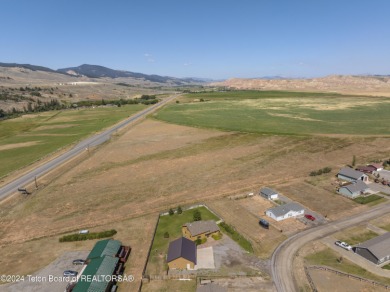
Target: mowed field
<point x="26" y="139"/>
<point x="273" y="112"/>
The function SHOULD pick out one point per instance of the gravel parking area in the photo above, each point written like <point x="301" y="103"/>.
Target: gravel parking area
<point x="50" y="278"/>
<point x="378" y="187"/>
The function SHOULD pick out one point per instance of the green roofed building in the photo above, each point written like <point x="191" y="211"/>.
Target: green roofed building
<point x="105" y="247"/>
<point x="97" y="275"/>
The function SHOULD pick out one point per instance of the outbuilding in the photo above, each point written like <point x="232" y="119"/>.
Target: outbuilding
<point x="282" y="212"/>
<point x="376" y="250"/>
<point x="268" y="194"/>
<point x="349" y="174"/>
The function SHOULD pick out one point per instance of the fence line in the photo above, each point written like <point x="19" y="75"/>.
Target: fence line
<point x="387" y="287"/>
<point x="312" y="285"/>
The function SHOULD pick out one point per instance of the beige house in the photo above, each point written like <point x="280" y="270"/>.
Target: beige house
<point x="200" y="229"/>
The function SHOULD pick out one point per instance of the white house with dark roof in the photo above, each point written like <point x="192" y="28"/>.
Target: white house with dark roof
<point x="268" y="194"/>
<point x="286" y="211"/>
<point x="349" y="174"/>
<point x="354" y="189"/>
<point x="376" y="250"/>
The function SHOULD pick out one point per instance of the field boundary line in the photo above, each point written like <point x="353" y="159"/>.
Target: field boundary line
<point x="337" y="272"/>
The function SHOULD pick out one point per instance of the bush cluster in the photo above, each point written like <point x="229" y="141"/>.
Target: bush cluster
<point x="80" y="237"/>
<point x="321" y="171"/>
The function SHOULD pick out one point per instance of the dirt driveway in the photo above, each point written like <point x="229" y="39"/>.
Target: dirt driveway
<point x="50" y="278"/>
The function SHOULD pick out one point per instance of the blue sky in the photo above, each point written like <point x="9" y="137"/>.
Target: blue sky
<point x="213" y="38"/>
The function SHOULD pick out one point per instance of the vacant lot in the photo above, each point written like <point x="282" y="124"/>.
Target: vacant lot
<point x="319" y="200"/>
<point x="27" y="139"/>
<point x="327" y="281"/>
<point x="282" y="113"/>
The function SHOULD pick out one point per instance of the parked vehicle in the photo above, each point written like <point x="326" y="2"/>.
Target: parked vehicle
<point x="385" y="182"/>
<point x="264" y="223"/>
<point x="85" y="231"/>
<point x="69" y="273"/>
<point x="79" y="262"/>
<point x="310" y="217"/>
<point x="343" y="245"/>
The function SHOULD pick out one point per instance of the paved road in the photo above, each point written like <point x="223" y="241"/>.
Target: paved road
<point x="98" y="139"/>
<point x="282" y="259"/>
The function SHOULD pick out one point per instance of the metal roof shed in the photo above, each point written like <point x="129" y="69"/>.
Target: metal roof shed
<point x="95" y="276"/>
<point x="105" y="247"/>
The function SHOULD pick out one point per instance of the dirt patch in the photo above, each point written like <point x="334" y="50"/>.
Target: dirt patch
<point x="18" y="145"/>
<point x="327" y="281"/>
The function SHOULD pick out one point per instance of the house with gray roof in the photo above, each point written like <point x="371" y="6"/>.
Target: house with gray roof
<point x="181" y="254"/>
<point x="349" y="174"/>
<point x="376" y="250"/>
<point x="268" y="194"/>
<point x="354" y="189"/>
<point x="200" y="229"/>
<point x="285" y="211"/>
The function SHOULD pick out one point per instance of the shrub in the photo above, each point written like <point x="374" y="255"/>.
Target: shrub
<point x="80" y="237"/>
<point x="179" y="210"/>
<point x="171" y="212"/>
<point x="166" y="234"/>
<point x="217" y="236"/>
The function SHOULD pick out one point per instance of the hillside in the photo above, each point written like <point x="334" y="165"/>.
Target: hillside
<point x="369" y="85"/>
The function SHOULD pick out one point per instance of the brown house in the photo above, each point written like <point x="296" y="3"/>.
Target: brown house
<point x="200" y="229"/>
<point x="181" y="254"/>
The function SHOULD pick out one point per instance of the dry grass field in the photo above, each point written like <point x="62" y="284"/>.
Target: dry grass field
<point x="155" y="166"/>
<point x="319" y="200"/>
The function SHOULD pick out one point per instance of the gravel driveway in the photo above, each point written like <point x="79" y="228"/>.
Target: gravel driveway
<point x="50" y="278"/>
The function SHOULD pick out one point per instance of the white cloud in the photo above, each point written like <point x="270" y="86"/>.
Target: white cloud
<point x="149" y="58"/>
<point x="187" y="64"/>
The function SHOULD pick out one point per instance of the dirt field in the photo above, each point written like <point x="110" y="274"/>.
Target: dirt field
<point x="327" y="281"/>
<point x="155" y="166"/>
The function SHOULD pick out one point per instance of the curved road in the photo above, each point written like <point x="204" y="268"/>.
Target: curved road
<point x="12" y="187"/>
<point x="283" y="257"/>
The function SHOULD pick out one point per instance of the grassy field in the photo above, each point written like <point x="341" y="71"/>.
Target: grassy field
<point x="171" y="224"/>
<point x="27" y="139"/>
<point x="356" y="235"/>
<point x="276" y="112"/>
<point x="369" y="199"/>
<point x="328" y="257"/>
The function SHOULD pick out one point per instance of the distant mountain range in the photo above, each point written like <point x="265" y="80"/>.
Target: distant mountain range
<point x="96" y="71"/>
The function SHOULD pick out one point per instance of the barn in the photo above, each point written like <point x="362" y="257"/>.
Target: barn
<point x="376" y="250"/>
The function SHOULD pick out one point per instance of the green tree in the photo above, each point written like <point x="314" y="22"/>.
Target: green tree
<point x="197" y="215"/>
<point x="179" y="210"/>
<point x="171" y="212"/>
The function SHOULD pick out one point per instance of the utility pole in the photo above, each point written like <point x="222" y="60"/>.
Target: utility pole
<point x="36" y="184"/>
